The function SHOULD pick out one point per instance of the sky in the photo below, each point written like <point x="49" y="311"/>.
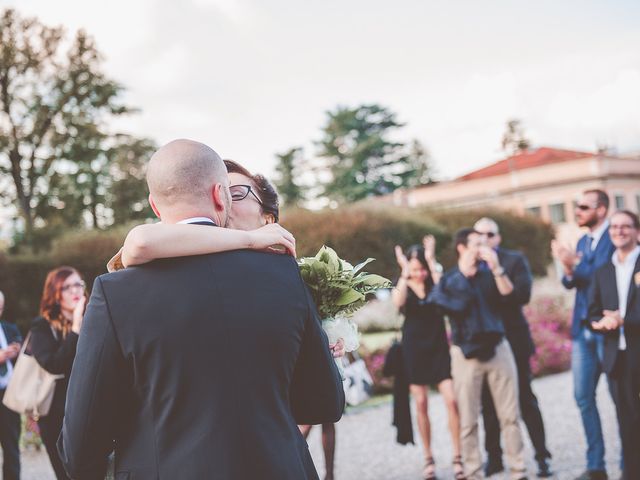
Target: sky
<point x="253" y="78"/>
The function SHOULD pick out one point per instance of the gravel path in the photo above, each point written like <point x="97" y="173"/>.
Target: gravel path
<point x="366" y="448"/>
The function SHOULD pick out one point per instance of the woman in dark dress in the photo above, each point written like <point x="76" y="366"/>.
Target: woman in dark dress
<point x="425" y="348"/>
<point x="54" y="336"/>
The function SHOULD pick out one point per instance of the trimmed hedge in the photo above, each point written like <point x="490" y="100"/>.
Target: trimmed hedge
<point x="359" y="232"/>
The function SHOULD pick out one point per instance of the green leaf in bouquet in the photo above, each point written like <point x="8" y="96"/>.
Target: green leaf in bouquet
<point x="372" y="280"/>
<point x="349" y="296"/>
<point x="361" y="265"/>
<point x="328" y="256"/>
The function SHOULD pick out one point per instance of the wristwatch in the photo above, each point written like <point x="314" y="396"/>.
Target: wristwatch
<point x="498" y="272"/>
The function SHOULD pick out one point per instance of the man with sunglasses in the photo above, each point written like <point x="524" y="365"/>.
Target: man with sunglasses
<point x="614" y="309"/>
<point x="593" y="251"/>
<point x="516" y="268"/>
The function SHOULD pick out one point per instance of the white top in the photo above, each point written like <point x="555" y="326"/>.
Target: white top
<point x="4" y="379"/>
<point x="197" y="219"/>
<point x="597" y="234"/>
<point x="624" y="275"/>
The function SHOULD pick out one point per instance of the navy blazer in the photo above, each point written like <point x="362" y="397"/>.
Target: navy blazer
<point x="12" y="334"/>
<point x="471" y="304"/>
<point x="604" y="296"/>
<point x="583" y="274"/>
<point x="200" y="367"/>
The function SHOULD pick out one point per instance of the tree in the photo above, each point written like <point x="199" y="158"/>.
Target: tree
<point x="361" y="160"/>
<point x="514" y="140"/>
<point x="288" y="169"/>
<point x="48" y="99"/>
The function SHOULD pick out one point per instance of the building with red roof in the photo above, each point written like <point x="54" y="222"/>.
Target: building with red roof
<point x="544" y="182"/>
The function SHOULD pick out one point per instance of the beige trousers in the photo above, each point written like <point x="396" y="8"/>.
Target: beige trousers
<point x="502" y="378"/>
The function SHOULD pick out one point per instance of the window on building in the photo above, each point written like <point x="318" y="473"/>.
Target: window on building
<point x="535" y="211"/>
<point x="557" y="213"/>
<point x="619" y="201"/>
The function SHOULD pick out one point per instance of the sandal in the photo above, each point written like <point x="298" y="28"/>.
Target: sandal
<point x="429" y="472"/>
<point x="458" y="473"/>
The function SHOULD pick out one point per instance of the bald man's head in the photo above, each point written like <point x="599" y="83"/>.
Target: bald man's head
<point x="488" y="228"/>
<point x="182" y="176"/>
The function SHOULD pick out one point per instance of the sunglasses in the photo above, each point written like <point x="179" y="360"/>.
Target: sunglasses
<point x="584" y="208"/>
<point x="488" y="234"/>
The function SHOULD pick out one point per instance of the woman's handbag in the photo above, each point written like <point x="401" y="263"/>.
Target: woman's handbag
<point x="358" y="384"/>
<point x="31" y="387"/>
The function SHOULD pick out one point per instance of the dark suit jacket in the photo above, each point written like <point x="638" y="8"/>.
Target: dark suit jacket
<point x="604" y="296"/>
<point x="11" y="333"/>
<point x="583" y="274"/>
<point x="516" y="326"/>
<point x="200" y="367"/>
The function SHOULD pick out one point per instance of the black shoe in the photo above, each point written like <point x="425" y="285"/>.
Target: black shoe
<point x="593" y="475"/>
<point x="544" y="470"/>
<point x="493" y="466"/>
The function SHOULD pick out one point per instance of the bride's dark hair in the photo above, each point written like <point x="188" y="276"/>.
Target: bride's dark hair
<point x="264" y="189"/>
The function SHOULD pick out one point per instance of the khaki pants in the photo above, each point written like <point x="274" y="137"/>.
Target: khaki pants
<point x="502" y="378"/>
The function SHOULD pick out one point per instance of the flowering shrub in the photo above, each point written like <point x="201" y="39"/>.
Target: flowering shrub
<point x="550" y="323"/>
<point x="375" y="363"/>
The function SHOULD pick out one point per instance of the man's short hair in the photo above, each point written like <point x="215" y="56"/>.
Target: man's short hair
<point x="603" y="198"/>
<point x="634" y="218"/>
<point x="461" y="237"/>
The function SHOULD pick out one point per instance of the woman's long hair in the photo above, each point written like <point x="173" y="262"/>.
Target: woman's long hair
<point x="417" y="252"/>
<point x="50" y="308"/>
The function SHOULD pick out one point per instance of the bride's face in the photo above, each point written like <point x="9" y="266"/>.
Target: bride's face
<point x="245" y="214"/>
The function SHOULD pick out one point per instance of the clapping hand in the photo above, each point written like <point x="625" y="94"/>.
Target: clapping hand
<point x="272" y="236"/>
<point x="13" y="350"/>
<point x="403" y="263"/>
<point x="610" y="321"/>
<point x="490" y="256"/>
<point x="78" y="315"/>
<point x="566" y="256"/>
<point x="429" y="244"/>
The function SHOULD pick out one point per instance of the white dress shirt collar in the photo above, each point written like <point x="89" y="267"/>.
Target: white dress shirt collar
<point x="197" y="219"/>
<point x="596" y="235"/>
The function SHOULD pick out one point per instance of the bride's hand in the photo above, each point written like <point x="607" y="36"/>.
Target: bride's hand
<point x="270" y="237"/>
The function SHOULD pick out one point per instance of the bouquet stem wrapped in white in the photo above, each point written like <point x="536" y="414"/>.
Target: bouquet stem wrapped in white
<point x="339" y="289"/>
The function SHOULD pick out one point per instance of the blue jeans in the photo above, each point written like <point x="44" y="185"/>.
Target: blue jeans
<point x="586" y="366"/>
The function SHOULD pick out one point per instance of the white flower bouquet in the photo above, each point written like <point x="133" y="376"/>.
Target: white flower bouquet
<point x="339" y="289"/>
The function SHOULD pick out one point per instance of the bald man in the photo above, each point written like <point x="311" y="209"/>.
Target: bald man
<point x="198" y="367"/>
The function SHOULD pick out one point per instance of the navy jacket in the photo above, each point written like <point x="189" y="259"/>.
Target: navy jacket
<point x="583" y="275"/>
<point x="471" y="304"/>
<point x="200" y="367"/>
<point x="12" y="334"/>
